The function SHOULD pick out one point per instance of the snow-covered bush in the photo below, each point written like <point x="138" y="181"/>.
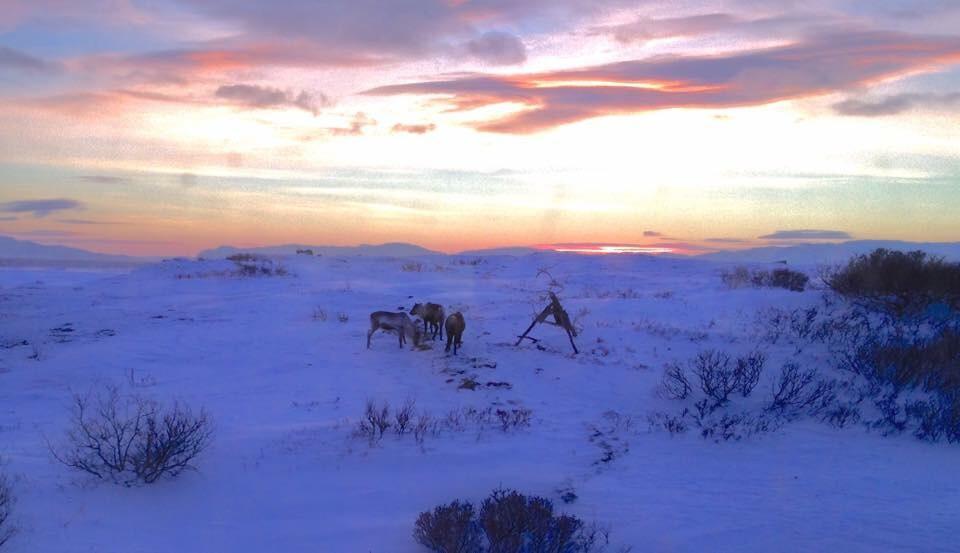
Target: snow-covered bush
<point x="789" y="279"/>
<point x="7" y="501"/>
<point x="900" y="283"/>
<point x="508" y="522"/>
<point x="128" y="439"/>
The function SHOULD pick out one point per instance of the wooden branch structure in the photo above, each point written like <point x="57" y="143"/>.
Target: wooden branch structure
<point x="560" y="318"/>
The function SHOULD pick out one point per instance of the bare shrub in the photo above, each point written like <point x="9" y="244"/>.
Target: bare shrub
<point x="7" y="503"/>
<point x="674" y="383"/>
<point x="715" y="376"/>
<point x="403" y="417"/>
<point x="412" y="267"/>
<point x="342" y="317"/>
<point x="795" y="389"/>
<point x="422" y="427"/>
<point x="375" y="422"/>
<point x="673" y="424"/>
<point x="747" y="372"/>
<point x="130" y="439"/>
<point x="735" y="426"/>
<point x="897" y="282"/>
<point x="449" y="528"/>
<point x="320" y="314"/>
<point x="514" y="418"/>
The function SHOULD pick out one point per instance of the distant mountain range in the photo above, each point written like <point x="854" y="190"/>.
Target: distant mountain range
<point x="394" y="249"/>
<point x="23" y="252"/>
<point x="20" y="252"/>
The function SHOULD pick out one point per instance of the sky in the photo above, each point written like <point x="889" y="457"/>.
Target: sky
<point x="164" y="127"/>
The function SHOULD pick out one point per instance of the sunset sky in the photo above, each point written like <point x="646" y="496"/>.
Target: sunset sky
<point x="163" y="127"/>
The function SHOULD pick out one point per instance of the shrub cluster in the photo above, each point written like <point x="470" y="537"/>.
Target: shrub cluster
<point x="898" y="282"/>
<point x="777" y="278"/>
<point x="250" y="265"/>
<point x="129" y="439"/>
<point x="711" y="380"/>
<point x="508" y="522"/>
<point x="379" y="420"/>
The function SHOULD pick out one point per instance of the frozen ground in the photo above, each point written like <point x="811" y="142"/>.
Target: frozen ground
<point x="286" y="388"/>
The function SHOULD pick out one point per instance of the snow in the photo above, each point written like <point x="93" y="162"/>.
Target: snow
<point x="285" y="472"/>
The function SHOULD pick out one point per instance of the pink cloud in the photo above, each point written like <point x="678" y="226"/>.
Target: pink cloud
<point x="818" y="65"/>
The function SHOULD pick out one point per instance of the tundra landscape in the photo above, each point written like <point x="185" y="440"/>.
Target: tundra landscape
<point x="313" y="441"/>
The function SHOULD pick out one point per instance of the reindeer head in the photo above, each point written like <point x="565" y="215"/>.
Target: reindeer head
<point x="417" y="309"/>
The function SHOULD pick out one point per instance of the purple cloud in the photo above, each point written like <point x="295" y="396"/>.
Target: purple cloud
<point x="255" y="96"/>
<point x="40" y="208"/>
<point x="497" y="48"/>
<point x="14" y="59"/>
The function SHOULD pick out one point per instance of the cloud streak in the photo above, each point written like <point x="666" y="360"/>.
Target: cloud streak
<point x="40" y="208"/>
<point x="807" y="234"/>
<point x="261" y="97"/>
<point x="422" y="128"/>
<point x="14" y="59"/>
<point x="897" y="103"/>
<point x="819" y="65"/>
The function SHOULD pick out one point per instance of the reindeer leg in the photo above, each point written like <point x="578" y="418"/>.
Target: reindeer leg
<point x="369" y="334"/>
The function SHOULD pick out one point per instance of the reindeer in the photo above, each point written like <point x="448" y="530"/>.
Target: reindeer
<point x="431" y="313"/>
<point x="394" y="322"/>
<point x="455" y="327"/>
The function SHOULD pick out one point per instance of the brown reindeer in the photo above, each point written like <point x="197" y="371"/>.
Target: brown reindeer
<point x="432" y="314"/>
<point x="455" y="327"/>
<point x="394" y="322"/>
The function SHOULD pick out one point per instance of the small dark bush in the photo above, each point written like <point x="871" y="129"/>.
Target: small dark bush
<point x="449" y="529"/>
<point x="747" y="372"/>
<point x="789" y="279"/>
<point x="931" y="363"/>
<point x="900" y="283"/>
<point x="716" y="377"/>
<point x="841" y="415"/>
<point x="7" y="501"/>
<point x="778" y="278"/>
<point x="129" y="439"/>
<point x="508" y="522"/>
<point x="793" y="391"/>
<point x="674" y="384"/>
<point x="937" y="418"/>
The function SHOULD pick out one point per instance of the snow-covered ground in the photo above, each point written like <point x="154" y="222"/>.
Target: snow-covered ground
<point x="286" y="389"/>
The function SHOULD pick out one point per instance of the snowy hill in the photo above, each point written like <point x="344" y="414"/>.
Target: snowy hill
<point x="514" y="251"/>
<point x="394" y="249"/>
<point x="281" y="364"/>
<point x="18" y="252"/>
<point x="828" y="254"/>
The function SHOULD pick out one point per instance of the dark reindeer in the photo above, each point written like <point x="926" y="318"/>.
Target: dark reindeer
<point x="432" y="314"/>
<point x="455" y="327"/>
